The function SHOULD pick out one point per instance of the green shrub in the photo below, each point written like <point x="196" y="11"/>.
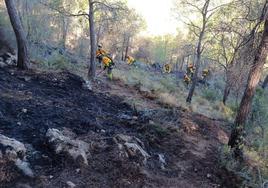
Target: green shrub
<point x="210" y="95"/>
<point x="58" y="61"/>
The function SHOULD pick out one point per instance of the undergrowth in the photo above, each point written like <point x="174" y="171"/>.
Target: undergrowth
<point x="254" y="170"/>
<point x="171" y="91"/>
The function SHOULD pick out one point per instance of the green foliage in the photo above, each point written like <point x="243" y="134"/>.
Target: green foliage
<point x="244" y="173"/>
<point x="159" y="130"/>
<point x="210" y="95"/>
<point x="255" y="172"/>
<point x="56" y="62"/>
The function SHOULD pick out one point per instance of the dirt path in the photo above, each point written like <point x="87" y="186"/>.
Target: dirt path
<point x="183" y="147"/>
<point x="195" y="146"/>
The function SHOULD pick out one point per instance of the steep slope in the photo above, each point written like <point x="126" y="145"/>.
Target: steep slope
<point x="158" y="148"/>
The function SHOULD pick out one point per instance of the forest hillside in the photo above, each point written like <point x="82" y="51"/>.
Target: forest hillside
<point x="102" y="93"/>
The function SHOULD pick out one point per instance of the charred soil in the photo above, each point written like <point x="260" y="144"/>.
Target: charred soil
<point x="182" y="148"/>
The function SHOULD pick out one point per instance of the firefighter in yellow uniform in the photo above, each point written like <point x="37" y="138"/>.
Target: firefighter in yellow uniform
<point x="187" y="80"/>
<point x="205" y="74"/>
<point x="167" y="68"/>
<point x="107" y="64"/>
<point x="190" y="70"/>
<point x="100" y="52"/>
<point x="130" y="60"/>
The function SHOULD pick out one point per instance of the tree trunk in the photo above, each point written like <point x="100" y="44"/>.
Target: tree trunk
<point x="127" y="47"/>
<point x="98" y="34"/>
<point x="64" y="32"/>
<point x="177" y="63"/>
<point x="23" y="56"/>
<point x="197" y="64"/>
<point x="265" y="82"/>
<point x="199" y="51"/>
<point x="191" y="92"/>
<point x="226" y="93"/>
<point x="123" y="48"/>
<point x="181" y="64"/>
<point x="236" y="140"/>
<point x="28" y="36"/>
<point x="92" y="65"/>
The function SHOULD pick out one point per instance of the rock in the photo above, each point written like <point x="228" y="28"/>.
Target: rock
<point x="70" y="184"/>
<point x="208" y="175"/>
<point x="125" y="116"/>
<point x="126" y="138"/>
<point x="14" y="151"/>
<point x="26" y="78"/>
<point x="24" y="110"/>
<point x="162" y="161"/>
<point x="135" y="118"/>
<point x="76" y="149"/>
<point x="87" y="85"/>
<point x="44" y="156"/>
<point x="9" y="145"/>
<point x="24" y="167"/>
<point x="132" y="146"/>
<point x="7" y="59"/>
<point x="151" y="122"/>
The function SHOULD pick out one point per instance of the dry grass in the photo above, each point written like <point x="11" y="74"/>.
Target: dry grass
<point x="172" y="92"/>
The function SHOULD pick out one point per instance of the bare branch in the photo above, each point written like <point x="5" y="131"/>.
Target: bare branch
<point x="64" y="12"/>
<point x="192" y="5"/>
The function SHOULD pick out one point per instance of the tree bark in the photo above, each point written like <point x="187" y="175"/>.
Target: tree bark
<point x="23" y="56"/>
<point x="27" y="9"/>
<point x="265" y="82"/>
<point x="92" y="65"/>
<point x="64" y="32"/>
<point x="198" y="52"/>
<point x="236" y="140"/>
<point x="228" y="83"/>
<point x="180" y="67"/>
<point x="127" y="47"/>
<point x="123" y="48"/>
<point x="226" y="93"/>
<point x="99" y="33"/>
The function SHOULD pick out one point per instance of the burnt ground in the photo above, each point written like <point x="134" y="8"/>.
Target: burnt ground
<point x="32" y="102"/>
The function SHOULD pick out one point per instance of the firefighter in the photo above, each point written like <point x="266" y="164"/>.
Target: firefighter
<point x="167" y="68"/>
<point x="205" y="74"/>
<point x="107" y="64"/>
<point x="100" y="52"/>
<point x="130" y="60"/>
<point x="190" y="70"/>
<point x="187" y="80"/>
